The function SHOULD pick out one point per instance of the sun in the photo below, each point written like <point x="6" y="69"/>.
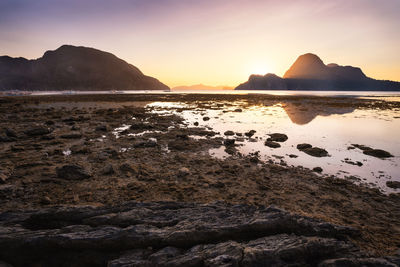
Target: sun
<point x="260" y="68"/>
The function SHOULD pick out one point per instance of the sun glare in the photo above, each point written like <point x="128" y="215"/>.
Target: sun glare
<point x="261" y="68"/>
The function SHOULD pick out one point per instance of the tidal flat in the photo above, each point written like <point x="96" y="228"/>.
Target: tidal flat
<point x="108" y="150"/>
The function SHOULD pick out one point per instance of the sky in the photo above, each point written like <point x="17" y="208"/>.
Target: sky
<point x="214" y="42"/>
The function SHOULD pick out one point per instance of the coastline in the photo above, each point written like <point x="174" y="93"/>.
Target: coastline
<point x="146" y="173"/>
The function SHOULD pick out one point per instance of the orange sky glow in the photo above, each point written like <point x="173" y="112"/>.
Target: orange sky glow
<point x="215" y="42"/>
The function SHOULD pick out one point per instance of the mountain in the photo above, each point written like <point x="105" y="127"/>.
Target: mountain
<point x="74" y="68"/>
<point x="309" y="72"/>
<point x="200" y="87"/>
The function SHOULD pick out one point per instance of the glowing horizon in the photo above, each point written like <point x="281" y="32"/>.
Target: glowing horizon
<point x="219" y="42"/>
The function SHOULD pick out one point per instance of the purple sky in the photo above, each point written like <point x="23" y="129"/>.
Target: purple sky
<point x="218" y="42"/>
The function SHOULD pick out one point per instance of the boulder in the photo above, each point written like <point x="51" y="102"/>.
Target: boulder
<point x="277" y="137"/>
<point x="72" y="172"/>
<point x="272" y="144"/>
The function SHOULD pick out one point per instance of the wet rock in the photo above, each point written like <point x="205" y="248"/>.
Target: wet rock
<point x="229" y="142"/>
<point x="176" y="234"/>
<point x="303" y="146"/>
<point x="72" y="172"/>
<point x="229" y="133"/>
<point x="317" y="169"/>
<point x="312" y="151"/>
<point x="277" y="137"/>
<point x="108" y="169"/>
<point x="393" y="184"/>
<point x="357" y="163"/>
<point x="37" y="131"/>
<point x="272" y="144"/>
<point x="206" y="118"/>
<point x="101" y="128"/>
<point x="316" y="152"/>
<point x="378" y="153"/>
<point x="71" y="136"/>
<point x="250" y="133"/>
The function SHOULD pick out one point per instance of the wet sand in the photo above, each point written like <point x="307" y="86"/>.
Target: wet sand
<point x="156" y="158"/>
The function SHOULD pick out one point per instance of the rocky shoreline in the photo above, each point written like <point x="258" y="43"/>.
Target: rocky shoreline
<point x="87" y="156"/>
<point x="177" y="234"/>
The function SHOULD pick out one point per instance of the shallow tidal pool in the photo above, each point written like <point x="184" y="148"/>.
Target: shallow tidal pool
<point x="333" y="128"/>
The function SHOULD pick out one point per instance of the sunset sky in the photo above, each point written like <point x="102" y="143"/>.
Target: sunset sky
<point x="215" y="42"/>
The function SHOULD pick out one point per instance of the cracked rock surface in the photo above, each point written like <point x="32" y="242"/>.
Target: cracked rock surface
<point x="176" y="234"/>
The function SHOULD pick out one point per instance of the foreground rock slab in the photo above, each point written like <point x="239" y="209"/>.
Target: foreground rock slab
<point x="176" y="234"/>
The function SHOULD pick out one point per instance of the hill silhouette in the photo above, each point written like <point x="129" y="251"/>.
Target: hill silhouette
<point x="74" y="68"/>
<point x="309" y="72"/>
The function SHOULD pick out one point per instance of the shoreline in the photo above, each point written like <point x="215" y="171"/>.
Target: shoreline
<point x="147" y="173"/>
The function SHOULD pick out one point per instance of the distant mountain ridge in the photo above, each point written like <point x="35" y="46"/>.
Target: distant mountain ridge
<point x="201" y="87"/>
<point x="74" y="68"/>
<point x="309" y="72"/>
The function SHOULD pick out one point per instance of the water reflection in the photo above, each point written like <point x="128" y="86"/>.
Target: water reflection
<point x="333" y="127"/>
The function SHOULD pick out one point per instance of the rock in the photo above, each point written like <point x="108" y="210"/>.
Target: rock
<point x="317" y="169"/>
<point x="101" y="128"/>
<point x="238" y="110"/>
<point x="316" y="152"/>
<point x="3" y="178"/>
<point x="183" y="172"/>
<point x="6" y="139"/>
<point x="229" y="133"/>
<point x="250" y="133"/>
<point x="303" y="146"/>
<point x="175" y="234"/>
<point x="378" y="153"/>
<point x="277" y="137"/>
<point x="36" y="131"/>
<point x="272" y="144"/>
<point x="348" y="161"/>
<point x="127" y="168"/>
<point x="196" y="123"/>
<point x="393" y="184"/>
<point x="72" y="172"/>
<point x="229" y="142"/>
<point x="71" y="136"/>
<point x="45" y="200"/>
<point x="293" y="156"/>
<point x="146" y="143"/>
<point x="10" y="133"/>
<point x="107" y="170"/>
<point x="141" y="126"/>
<point x="312" y="151"/>
<point x="206" y="118"/>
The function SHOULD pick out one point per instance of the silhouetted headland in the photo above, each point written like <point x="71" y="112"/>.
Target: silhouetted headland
<point x="74" y="68"/>
<point x="310" y="73"/>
